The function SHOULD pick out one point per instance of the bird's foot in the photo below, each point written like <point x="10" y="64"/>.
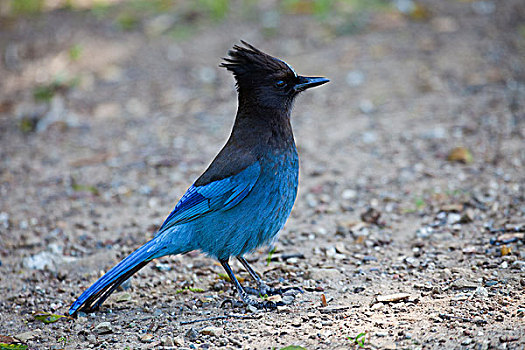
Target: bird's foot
<point x="265" y="290"/>
<point x="233" y="303"/>
<point x="265" y="305"/>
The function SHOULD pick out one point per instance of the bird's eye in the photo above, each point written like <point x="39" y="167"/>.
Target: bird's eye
<point x="280" y="84"/>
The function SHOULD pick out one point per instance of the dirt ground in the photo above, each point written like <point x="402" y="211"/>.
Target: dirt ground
<point x="411" y="181"/>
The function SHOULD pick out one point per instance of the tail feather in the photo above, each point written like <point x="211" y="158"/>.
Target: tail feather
<point x="95" y="295"/>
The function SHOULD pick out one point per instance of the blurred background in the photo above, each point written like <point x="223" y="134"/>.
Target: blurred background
<point x="411" y="157"/>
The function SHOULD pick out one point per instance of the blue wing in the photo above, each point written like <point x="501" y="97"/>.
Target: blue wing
<point x="215" y="196"/>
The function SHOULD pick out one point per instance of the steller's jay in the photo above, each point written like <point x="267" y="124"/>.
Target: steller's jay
<point x="245" y="196"/>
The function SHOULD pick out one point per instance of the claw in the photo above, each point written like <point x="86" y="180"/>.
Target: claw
<point x="232" y="302"/>
<point x="260" y="305"/>
<point x="263" y="305"/>
<point x="262" y="290"/>
<point x="265" y="290"/>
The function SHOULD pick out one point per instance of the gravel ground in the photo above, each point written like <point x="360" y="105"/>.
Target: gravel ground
<point x="409" y="224"/>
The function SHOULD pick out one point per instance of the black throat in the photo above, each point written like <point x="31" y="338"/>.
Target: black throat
<point x="258" y="135"/>
<point x="256" y="124"/>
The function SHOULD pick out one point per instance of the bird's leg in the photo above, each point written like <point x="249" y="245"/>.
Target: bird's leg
<point x="244" y="296"/>
<point x="262" y="287"/>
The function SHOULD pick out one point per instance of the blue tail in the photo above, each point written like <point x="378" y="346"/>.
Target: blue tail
<point x="95" y="295"/>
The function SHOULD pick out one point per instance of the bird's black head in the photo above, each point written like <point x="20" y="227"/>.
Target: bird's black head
<point x="264" y="79"/>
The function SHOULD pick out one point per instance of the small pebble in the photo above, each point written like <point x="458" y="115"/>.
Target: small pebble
<point x="146" y="338"/>
<point x="412" y="262"/>
<point x="366" y="106"/>
<point x="192" y="334"/>
<point x="349" y="194"/>
<point x="252" y="308"/>
<point x="482" y="292"/>
<point x="167" y="341"/>
<point x="491" y="283"/>
<point x="124" y="296"/>
<point x="297" y="322"/>
<point x="466" y="341"/>
<point x="213" y="331"/>
<point x="355" y="78"/>
<point x="26" y="336"/>
<point x="376" y="306"/>
<point x="104" y="328"/>
<point x="288" y="299"/>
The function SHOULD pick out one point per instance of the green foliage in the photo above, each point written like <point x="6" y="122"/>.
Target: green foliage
<point x="189" y="289"/>
<point x="270" y="254"/>
<point x="28" y="123"/>
<point x="62" y="340"/>
<point x="368" y="5"/>
<point x="47" y="317"/>
<point x="4" y="346"/>
<point x="151" y="6"/>
<point x="22" y="7"/>
<point x="75" y="52"/>
<point x="341" y="17"/>
<point x="45" y="92"/>
<point x="337" y="17"/>
<point x="293" y="347"/>
<point x="100" y="9"/>
<point x="216" y="9"/>
<point x="84" y="188"/>
<point x="224" y="277"/>
<point x="181" y="32"/>
<point x="419" y="203"/>
<point x="323" y="8"/>
<point x="358" y="339"/>
<point x="127" y="21"/>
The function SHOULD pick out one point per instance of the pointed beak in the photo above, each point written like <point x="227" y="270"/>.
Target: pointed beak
<point x="309" y="82"/>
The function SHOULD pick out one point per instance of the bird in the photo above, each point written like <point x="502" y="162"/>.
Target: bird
<point x="244" y="197"/>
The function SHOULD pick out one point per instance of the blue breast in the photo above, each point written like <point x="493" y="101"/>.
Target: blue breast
<point x="257" y="219"/>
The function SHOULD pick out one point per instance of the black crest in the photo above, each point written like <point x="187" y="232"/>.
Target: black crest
<point x="249" y="60"/>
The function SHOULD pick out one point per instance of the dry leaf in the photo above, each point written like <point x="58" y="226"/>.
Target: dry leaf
<point x="323" y="301"/>
<point x="5" y="339"/>
<point x="419" y="12"/>
<point x="505" y="250"/>
<point x="360" y="239"/>
<point x="460" y="154"/>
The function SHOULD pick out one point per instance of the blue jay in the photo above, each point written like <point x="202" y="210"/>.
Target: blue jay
<point x="247" y="193"/>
